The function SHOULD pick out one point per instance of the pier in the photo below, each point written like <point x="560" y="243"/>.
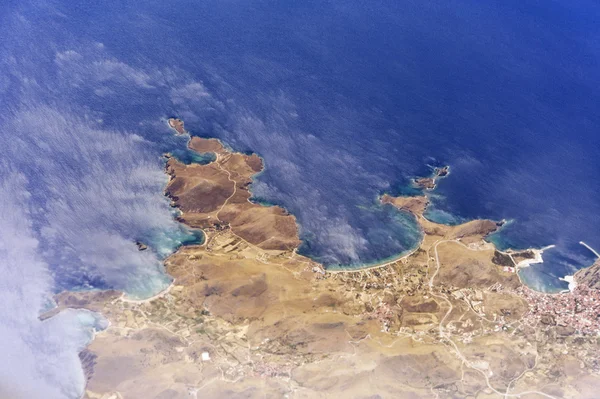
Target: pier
<point x="591" y="249"/>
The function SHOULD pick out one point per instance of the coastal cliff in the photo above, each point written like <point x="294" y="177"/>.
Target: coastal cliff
<point x="589" y="276"/>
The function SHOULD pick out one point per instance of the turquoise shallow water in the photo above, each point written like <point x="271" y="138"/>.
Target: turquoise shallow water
<point x="188" y="156"/>
<point x="165" y="242"/>
<point x="406" y="230"/>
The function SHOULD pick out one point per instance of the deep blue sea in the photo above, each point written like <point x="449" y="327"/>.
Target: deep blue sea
<point x="344" y="100"/>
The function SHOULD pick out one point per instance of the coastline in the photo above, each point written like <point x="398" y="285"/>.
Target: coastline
<point x="336" y="269"/>
<point x="377" y="265"/>
<point x="437" y="174"/>
<point x="227" y="148"/>
<point x="417" y="206"/>
<point x="160" y="294"/>
<point x="538" y="252"/>
<point x="292" y="312"/>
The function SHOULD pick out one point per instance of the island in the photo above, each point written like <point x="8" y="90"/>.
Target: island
<point x="177" y="125"/>
<point x="247" y="316"/>
<point x="430" y="182"/>
<point x="141" y="246"/>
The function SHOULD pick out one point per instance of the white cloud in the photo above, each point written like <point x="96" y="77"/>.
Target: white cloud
<point x="189" y="92"/>
<point x="96" y="68"/>
<point x="67" y="56"/>
<point x="343" y="240"/>
<point x="112" y="70"/>
<point x="39" y="359"/>
<point x="96" y="190"/>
